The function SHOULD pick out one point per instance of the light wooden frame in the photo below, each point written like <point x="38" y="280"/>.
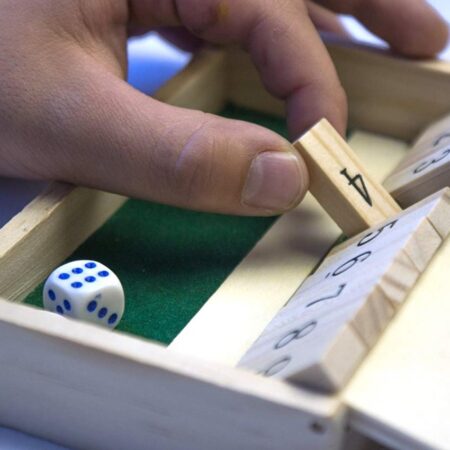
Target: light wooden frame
<point x="75" y="384"/>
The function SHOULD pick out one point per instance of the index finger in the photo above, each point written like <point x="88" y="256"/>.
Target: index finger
<point x="282" y="41"/>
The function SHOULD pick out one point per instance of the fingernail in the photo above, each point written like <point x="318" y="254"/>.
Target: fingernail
<point x="276" y="181"/>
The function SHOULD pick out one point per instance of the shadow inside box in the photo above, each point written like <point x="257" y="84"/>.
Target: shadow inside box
<point x="304" y="233"/>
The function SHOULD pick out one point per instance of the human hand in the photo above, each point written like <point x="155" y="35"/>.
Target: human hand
<point x="67" y="114"/>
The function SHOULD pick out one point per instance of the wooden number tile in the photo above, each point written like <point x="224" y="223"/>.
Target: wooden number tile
<point x="361" y="265"/>
<point x="340" y="183"/>
<point x="434" y="135"/>
<point x="418" y="231"/>
<point x="351" y="268"/>
<point x="371" y="296"/>
<point x="329" y="294"/>
<point x="415" y="155"/>
<point x="392" y="270"/>
<point x="433" y="138"/>
<point x="422" y="178"/>
<point x="319" y="351"/>
<point x="343" y="312"/>
<point x="410" y="232"/>
<point x="346" y="304"/>
<point x="321" y="345"/>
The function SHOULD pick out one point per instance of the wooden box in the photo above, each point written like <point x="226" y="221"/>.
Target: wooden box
<point x="85" y="387"/>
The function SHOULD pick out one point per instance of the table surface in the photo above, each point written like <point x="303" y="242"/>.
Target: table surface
<point x="143" y="53"/>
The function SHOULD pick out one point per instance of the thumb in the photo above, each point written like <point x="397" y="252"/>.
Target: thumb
<point x="111" y="137"/>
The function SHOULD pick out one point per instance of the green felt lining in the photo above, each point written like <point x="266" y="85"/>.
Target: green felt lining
<point x="170" y="261"/>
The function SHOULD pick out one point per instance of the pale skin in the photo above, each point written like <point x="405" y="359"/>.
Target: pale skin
<point x="67" y="114"/>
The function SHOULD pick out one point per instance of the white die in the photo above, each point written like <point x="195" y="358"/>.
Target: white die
<point x="85" y="290"/>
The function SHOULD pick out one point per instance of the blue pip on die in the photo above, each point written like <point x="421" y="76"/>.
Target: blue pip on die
<point x="85" y="290"/>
